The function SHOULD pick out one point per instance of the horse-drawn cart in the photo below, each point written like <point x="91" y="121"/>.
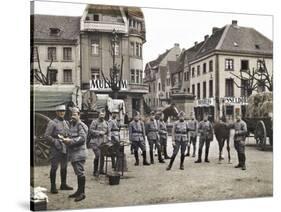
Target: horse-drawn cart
<point x="259" y="119"/>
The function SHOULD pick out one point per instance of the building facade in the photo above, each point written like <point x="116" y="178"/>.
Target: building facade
<point x="55" y="46"/>
<point x="229" y="50"/>
<point x="99" y="23"/>
<point x="159" y="79"/>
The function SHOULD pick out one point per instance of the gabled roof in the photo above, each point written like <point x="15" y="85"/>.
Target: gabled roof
<point x="245" y="39"/>
<point x="69" y="27"/>
<point x="156" y="62"/>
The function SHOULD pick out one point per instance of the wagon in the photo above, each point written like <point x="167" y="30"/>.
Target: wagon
<point x="262" y="129"/>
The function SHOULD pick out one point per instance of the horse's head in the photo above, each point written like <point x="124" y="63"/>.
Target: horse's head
<point x="170" y="111"/>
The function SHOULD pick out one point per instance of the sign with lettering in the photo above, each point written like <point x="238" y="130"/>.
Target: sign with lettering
<point x="205" y="102"/>
<point x="102" y="85"/>
<point x="235" y="100"/>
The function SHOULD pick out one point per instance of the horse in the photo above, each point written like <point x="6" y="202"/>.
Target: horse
<point x="222" y="133"/>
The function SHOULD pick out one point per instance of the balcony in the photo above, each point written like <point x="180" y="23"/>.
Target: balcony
<point x="103" y="26"/>
<point x="134" y="31"/>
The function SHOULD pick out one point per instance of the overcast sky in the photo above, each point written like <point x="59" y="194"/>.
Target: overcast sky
<point x="166" y="27"/>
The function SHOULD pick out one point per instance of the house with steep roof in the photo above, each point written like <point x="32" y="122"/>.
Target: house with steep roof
<point x="158" y="77"/>
<point x="230" y="49"/>
<point x="55" y="45"/>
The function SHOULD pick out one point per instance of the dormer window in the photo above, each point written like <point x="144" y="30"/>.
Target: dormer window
<point x="96" y="17"/>
<point x="235" y="44"/>
<point x="257" y="46"/>
<point x="54" y="31"/>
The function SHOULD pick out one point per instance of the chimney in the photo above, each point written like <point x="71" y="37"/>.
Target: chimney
<point x="234" y="22"/>
<point x="215" y="29"/>
<point x="195" y="43"/>
<point x="206" y="37"/>
<point x="177" y="45"/>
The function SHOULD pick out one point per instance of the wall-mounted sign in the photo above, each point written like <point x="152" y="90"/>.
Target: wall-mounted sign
<point x="205" y="102"/>
<point x="234" y="100"/>
<point x="102" y="85"/>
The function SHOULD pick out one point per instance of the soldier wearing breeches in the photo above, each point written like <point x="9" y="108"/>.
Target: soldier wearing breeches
<point x="152" y="133"/>
<point x="193" y="127"/>
<point x="205" y="129"/>
<point x="114" y="128"/>
<point x="137" y="138"/>
<point x="99" y="134"/>
<point x="179" y="139"/>
<point x="58" y="151"/>
<point x="76" y="144"/>
<point x="163" y="133"/>
<point x="240" y="128"/>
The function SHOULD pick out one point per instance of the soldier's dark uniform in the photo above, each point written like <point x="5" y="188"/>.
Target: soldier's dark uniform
<point x="137" y="138"/>
<point x="114" y="128"/>
<point x="163" y="137"/>
<point x="240" y="128"/>
<point x="152" y="133"/>
<point x="99" y="134"/>
<point x="58" y="151"/>
<point x="78" y="154"/>
<point x="180" y="139"/>
<point x="205" y="128"/>
<point x="193" y="127"/>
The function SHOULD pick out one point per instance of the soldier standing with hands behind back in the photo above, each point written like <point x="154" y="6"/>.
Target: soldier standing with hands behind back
<point x="58" y="150"/>
<point x="179" y="139"/>
<point x="205" y="129"/>
<point x="76" y="144"/>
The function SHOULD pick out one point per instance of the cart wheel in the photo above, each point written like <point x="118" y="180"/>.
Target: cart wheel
<point x="41" y="152"/>
<point x="260" y="135"/>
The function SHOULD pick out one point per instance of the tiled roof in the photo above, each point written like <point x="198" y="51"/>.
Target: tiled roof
<point x="245" y="39"/>
<point x="159" y="59"/>
<point x="69" y="27"/>
<point x="135" y="11"/>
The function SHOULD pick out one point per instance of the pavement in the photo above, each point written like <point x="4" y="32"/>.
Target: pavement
<point x="154" y="185"/>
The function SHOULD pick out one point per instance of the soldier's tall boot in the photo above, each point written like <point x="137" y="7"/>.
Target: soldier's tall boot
<point x="188" y="151"/>
<point x="64" y="186"/>
<point x="145" y="163"/>
<point x="182" y="161"/>
<point x="76" y="192"/>
<point x="53" y="181"/>
<point x="137" y="158"/>
<point x="151" y="156"/>
<point x="96" y="165"/>
<point x="171" y="162"/>
<point x="165" y="152"/>
<point x="199" y="156"/>
<point x="207" y="155"/>
<point x="160" y="159"/>
<point x="194" y="150"/>
<point x="81" y="189"/>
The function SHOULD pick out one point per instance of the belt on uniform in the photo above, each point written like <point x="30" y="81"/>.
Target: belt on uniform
<point x="152" y="130"/>
<point x="116" y="130"/>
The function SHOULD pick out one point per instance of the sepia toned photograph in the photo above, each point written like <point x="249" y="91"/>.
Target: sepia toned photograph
<point x="141" y="105"/>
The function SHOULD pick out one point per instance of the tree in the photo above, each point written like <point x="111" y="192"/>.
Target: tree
<point x="37" y="73"/>
<point x="254" y="79"/>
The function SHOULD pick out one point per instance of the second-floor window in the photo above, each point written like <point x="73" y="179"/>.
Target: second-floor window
<point x="52" y="53"/>
<point x="210" y="88"/>
<point x="67" y="76"/>
<point x="132" y="48"/>
<point x="210" y="66"/>
<point x="204" y="68"/>
<point x="198" y="70"/>
<point x="67" y="53"/>
<point x="95" y="74"/>
<point x="95" y="47"/>
<point x="53" y="75"/>
<point x="193" y="72"/>
<point x="244" y="65"/>
<point x="198" y="90"/>
<point x="133" y="76"/>
<point x="193" y="89"/>
<point x="229" y="65"/>
<point x="229" y="87"/>
<point x="204" y="89"/>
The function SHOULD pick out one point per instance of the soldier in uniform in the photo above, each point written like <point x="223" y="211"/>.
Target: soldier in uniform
<point x="99" y="134"/>
<point x="205" y="128"/>
<point x="58" y="151"/>
<point x="163" y="133"/>
<point x="193" y="127"/>
<point x="240" y="128"/>
<point x="137" y="138"/>
<point x="76" y="144"/>
<point x="152" y="133"/>
<point x="114" y="128"/>
<point x="179" y="139"/>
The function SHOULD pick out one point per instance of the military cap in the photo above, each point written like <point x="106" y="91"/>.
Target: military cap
<point x="75" y="110"/>
<point x="136" y="113"/>
<point x="60" y="108"/>
<point x="152" y="113"/>
<point x="181" y="113"/>
<point x="102" y="114"/>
